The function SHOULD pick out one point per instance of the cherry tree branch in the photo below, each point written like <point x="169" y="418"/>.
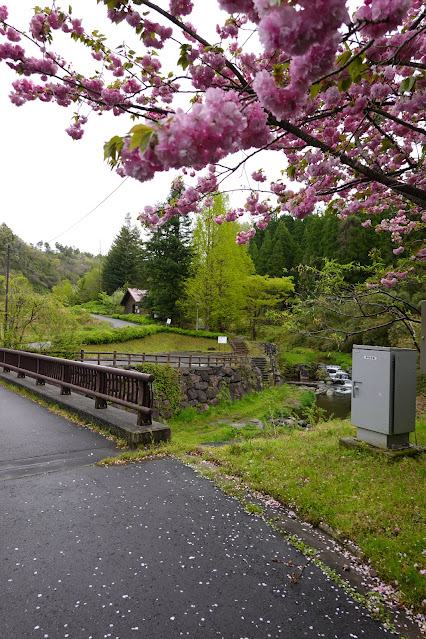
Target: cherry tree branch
<point x="414" y="194"/>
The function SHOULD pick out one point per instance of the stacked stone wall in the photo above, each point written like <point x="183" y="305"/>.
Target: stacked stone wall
<point x="204" y="387"/>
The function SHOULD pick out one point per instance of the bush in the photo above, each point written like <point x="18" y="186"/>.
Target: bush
<point x="105" y="335"/>
<point x="95" y="307"/>
<point x="136" y="319"/>
<point x="126" y="333"/>
<point x="166" y="383"/>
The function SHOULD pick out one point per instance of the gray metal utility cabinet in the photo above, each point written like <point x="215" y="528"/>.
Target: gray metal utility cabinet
<point x="384" y="395"/>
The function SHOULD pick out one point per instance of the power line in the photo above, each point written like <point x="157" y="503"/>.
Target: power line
<point x="89" y="213"/>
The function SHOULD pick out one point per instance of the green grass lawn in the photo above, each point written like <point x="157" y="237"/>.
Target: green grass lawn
<point x="302" y="355"/>
<point x="376" y="503"/>
<point x="160" y="343"/>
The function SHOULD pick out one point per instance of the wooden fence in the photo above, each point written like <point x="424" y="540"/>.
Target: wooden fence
<point x="173" y="359"/>
<point x="130" y="389"/>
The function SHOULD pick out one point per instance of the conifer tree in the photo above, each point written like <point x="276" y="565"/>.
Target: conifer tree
<point x="167" y="260"/>
<point x="124" y="263"/>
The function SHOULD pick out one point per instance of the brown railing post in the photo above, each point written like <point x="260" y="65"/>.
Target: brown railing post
<point x="65" y="377"/>
<point x="81" y="356"/>
<point x="100" y="382"/>
<point x="20" y="373"/>
<point x="143" y="389"/>
<point x="114" y="359"/>
<point x="39" y="382"/>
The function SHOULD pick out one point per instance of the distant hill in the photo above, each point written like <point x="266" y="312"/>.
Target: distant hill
<point x="43" y="266"/>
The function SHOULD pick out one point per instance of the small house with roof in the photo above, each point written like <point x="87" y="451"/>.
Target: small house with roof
<point x="132" y="300"/>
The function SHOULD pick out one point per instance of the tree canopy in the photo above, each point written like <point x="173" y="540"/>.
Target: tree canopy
<point x="167" y="260"/>
<point x="123" y="264"/>
<point x="264" y="294"/>
<point x="219" y="269"/>
<point x="337" y="97"/>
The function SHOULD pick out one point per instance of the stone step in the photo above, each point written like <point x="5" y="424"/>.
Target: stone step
<point x="239" y="346"/>
<point x="262" y="364"/>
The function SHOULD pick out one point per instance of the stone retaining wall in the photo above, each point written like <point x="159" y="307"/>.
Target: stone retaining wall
<point x="204" y="387"/>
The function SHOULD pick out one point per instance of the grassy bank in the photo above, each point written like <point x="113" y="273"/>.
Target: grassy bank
<point x="376" y="503"/>
<point x="161" y="343"/>
<point x="107" y="334"/>
<point x="303" y="355"/>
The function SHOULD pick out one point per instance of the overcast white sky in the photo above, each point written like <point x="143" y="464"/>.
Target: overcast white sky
<point x="48" y="180"/>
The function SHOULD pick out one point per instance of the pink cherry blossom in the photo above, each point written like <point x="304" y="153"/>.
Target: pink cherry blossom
<point x="339" y="103"/>
<point x="181" y="7"/>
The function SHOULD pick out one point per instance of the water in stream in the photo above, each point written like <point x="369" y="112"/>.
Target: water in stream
<point x="338" y="405"/>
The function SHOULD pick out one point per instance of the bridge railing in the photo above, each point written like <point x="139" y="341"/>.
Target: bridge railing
<point x="173" y="359"/>
<point x="130" y="389"/>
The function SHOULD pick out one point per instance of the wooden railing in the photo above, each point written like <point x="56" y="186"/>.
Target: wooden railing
<point x="173" y="359"/>
<point x="130" y="389"/>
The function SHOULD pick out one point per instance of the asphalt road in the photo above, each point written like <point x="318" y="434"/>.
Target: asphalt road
<point x="148" y="550"/>
<point x="117" y="323"/>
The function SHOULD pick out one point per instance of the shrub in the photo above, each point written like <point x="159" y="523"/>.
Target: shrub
<point x="105" y="335"/>
<point x="166" y="383"/>
<point x="136" y="319"/>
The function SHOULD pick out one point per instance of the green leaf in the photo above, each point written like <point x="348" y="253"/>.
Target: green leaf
<point x="344" y="85"/>
<point x="183" y="62"/>
<point x="112" y="149"/>
<point x="342" y="59"/>
<point x="291" y="171"/>
<point x="315" y="89"/>
<point x="407" y="84"/>
<point x="357" y="67"/>
<point x="141" y="137"/>
<point x="387" y="144"/>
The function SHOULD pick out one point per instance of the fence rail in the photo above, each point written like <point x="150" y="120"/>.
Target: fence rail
<point x="130" y="389"/>
<point x="173" y="359"/>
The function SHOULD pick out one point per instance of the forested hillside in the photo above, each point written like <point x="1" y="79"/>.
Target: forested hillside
<point x="288" y="242"/>
<point x="43" y="266"/>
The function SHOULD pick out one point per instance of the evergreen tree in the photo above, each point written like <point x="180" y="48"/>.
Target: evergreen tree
<point x="265" y="253"/>
<point x="330" y="236"/>
<point x="263" y="294"/>
<point x="123" y="266"/>
<point x="167" y="260"/>
<point x="276" y="260"/>
<point x="287" y="247"/>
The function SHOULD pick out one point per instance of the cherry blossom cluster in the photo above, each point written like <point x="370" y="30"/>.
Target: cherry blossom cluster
<point x="340" y="98"/>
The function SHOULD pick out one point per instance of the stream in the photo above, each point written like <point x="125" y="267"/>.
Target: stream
<point x="337" y="405"/>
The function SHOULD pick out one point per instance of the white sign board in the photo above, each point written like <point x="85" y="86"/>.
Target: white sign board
<point x="222" y="339"/>
<point x="168" y="321"/>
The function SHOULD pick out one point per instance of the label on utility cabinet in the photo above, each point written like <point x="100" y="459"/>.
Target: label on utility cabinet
<point x="370" y="357"/>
